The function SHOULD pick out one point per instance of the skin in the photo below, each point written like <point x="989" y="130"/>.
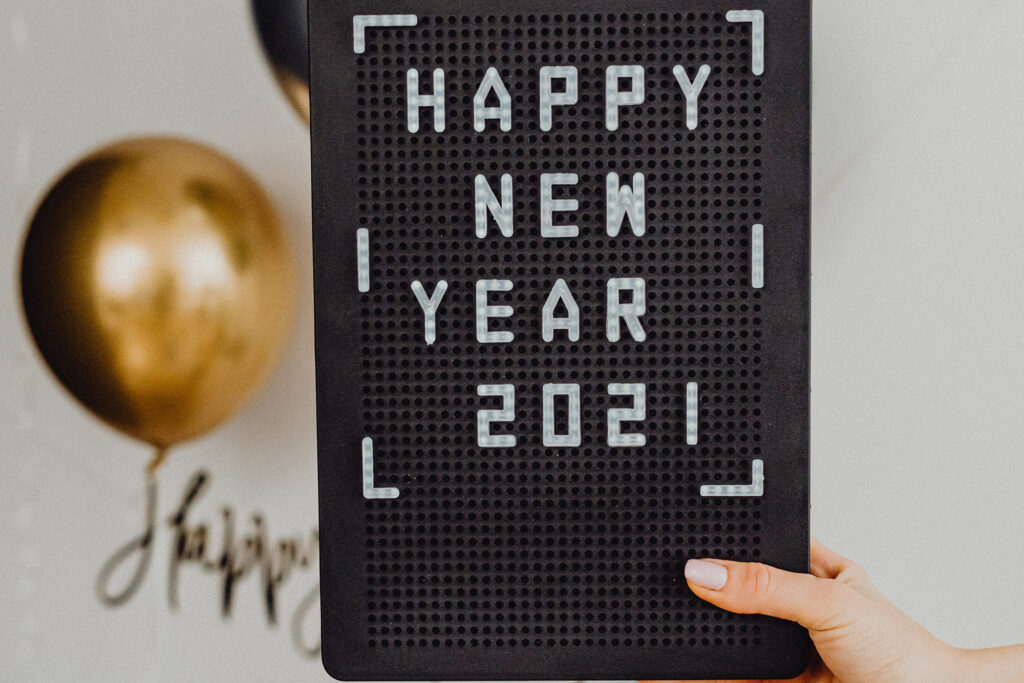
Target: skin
<point x="859" y="635"/>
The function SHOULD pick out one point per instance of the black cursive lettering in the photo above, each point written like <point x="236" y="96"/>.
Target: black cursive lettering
<point x="250" y="553"/>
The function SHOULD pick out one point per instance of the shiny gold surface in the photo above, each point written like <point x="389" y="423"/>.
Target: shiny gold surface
<point x="158" y="287"/>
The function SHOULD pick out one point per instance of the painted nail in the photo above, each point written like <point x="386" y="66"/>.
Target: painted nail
<point x="706" y="574"/>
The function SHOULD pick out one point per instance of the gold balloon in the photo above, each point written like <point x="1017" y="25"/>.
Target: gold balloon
<point x="158" y="287"/>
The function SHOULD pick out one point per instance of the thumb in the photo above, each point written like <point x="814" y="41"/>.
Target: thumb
<point x="754" y="588"/>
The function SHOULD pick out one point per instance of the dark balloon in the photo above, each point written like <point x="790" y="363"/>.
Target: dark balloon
<point x="284" y="33"/>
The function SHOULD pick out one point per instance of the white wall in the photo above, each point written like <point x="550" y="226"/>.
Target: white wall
<point x="918" y="328"/>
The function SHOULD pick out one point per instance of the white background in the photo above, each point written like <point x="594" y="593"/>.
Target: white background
<point x="918" y="328"/>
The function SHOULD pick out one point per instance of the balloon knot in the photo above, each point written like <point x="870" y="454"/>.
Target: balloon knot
<point x="158" y="459"/>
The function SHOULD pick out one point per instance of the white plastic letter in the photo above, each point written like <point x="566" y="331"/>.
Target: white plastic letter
<point x="638" y="413"/>
<point x="486" y="201"/>
<point x="417" y="100"/>
<point x="560" y="292"/>
<point x="550" y="99"/>
<point x="691" y="91"/>
<point x="574" y="436"/>
<point x="549" y="205"/>
<point x="485" y="312"/>
<point x="630" y="312"/>
<point x="481" y="112"/>
<point x="429" y="306"/>
<point x="615" y="98"/>
<point x="484" y="418"/>
<point x="623" y="201"/>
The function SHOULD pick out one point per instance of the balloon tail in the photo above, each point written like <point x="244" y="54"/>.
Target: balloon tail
<point x="158" y="459"/>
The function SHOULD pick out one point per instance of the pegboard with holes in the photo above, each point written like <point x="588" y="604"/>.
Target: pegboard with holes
<point x="562" y="286"/>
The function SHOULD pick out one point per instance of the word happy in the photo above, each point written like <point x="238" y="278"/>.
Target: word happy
<point x="240" y="553"/>
<point x="625" y="86"/>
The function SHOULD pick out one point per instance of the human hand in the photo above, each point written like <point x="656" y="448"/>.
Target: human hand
<point x="859" y="635"/>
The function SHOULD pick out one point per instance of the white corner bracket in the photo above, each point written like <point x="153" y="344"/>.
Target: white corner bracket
<point x="755" y="18"/>
<point x="361" y="22"/>
<point x="753" y="490"/>
<point x="371" y="492"/>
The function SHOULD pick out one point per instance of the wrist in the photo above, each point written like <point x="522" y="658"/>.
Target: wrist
<point x="936" y="662"/>
<point x="992" y="664"/>
<point x="957" y="664"/>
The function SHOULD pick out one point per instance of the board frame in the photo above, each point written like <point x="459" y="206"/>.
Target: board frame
<point x="339" y="426"/>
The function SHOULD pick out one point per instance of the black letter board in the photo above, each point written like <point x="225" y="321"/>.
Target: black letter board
<point x="562" y="332"/>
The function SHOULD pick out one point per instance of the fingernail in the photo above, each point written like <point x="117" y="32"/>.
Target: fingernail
<point x="706" y="574"/>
